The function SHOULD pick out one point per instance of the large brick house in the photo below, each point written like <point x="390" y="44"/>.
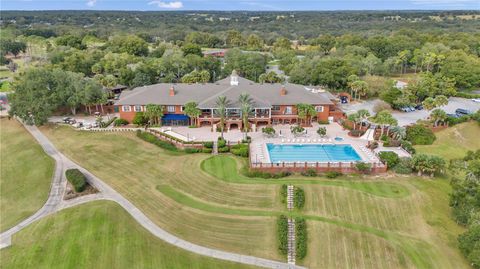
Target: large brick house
<point x="273" y="103"/>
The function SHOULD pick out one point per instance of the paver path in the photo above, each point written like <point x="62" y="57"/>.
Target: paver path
<point x="56" y="203"/>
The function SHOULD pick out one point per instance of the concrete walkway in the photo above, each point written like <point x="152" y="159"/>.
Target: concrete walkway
<point x="56" y="203"/>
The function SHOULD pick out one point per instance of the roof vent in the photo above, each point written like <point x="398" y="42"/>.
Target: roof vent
<point x="283" y="91"/>
<point x="172" y="91"/>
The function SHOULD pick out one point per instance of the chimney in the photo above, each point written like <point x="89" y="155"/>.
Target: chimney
<point x="172" y="91"/>
<point x="234" y="78"/>
<point x="283" y="91"/>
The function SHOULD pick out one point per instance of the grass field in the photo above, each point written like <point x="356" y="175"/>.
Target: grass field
<point x="453" y="142"/>
<point x="97" y="235"/>
<point x="25" y="174"/>
<point x="352" y="221"/>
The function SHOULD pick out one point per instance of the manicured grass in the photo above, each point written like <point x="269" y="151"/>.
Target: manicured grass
<point x="225" y="168"/>
<point x="205" y="200"/>
<point x="97" y="235"/>
<point x="25" y="174"/>
<point x="454" y="142"/>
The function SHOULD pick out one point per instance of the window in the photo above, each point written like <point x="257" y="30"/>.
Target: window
<point x="171" y="109"/>
<point x="138" y="108"/>
<point x="288" y="110"/>
<point x="276" y="108"/>
<point x="126" y="108"/>
<point x="319" y="108"/>
<point x="182" y="108"/>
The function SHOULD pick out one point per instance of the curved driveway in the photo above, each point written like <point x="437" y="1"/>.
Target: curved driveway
<point x="55" y="203"/>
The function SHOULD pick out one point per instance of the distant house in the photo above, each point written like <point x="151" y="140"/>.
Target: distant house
<point x="401" y="84"/>
<point x="220" y="53"/>
<point x="272" y="103"/>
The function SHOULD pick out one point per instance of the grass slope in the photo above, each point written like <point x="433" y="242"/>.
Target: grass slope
<point x="454" y="142"/>
<point x="205" y="200"/>
<point x="25" y="174"/>
<point x="97" y="235"/>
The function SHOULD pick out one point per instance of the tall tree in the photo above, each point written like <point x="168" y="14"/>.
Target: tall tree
<point x="246" y="107"/>
<point x="191" y="110"/>
<point x="221" y="109"/>
<point x="154" y="113"/>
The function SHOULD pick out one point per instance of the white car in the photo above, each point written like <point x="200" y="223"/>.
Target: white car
<point x="476" y="100"/>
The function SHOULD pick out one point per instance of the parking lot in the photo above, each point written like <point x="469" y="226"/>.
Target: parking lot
<point x="405" y="118"/>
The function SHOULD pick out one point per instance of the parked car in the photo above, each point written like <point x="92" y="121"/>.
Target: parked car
<point x="419" y="107"/>
<point x="453" y="116"/>
<point x="462" y="112"/>
<point x="77" y="125"/>
<point x="476" y="100"/>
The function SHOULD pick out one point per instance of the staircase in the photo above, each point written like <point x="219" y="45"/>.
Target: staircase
<point x="291" y="241"/>
<point x="290" y="197"/>
<point x="215" y="147"/>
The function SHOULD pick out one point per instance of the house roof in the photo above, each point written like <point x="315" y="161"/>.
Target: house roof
<point x="263" y="95"/>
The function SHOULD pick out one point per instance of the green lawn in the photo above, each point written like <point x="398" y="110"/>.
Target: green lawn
<point x="26" y="173"/>
<point x="455" y="141"/>
<point x="97" y="235"/>
<point x="353" y="221"/>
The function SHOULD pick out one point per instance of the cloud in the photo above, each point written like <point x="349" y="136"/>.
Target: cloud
<point x="91" y="3"/>
<point x="171" y="5"/>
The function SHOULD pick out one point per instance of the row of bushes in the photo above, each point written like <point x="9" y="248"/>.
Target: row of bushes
<point x="120" y="122"/>
<point x="266" y="175"/>
<point x="301" y="238"/>
<point x="395" y="163"/>
<point x="282" y="231"/>
<point x="283" y="193"/>
<point x="240" y="150"/>
<point x="312" y="173"/>
<point x="298" y="198"/>
<point x="467" y="95"/>
<point x="77" y="179"/>
<point x="148" y="137"/>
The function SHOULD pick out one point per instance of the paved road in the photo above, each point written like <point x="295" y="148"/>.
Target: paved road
<point x="56" y="203"/>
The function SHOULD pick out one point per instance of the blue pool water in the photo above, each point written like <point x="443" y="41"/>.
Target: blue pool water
<point x="312" y="153"/>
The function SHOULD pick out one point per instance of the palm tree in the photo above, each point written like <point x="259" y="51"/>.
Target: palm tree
<point x="305" y="112"/>
<point x="154" y="113"/>
<point x="429" y="103"/>
<point x="221" y="110"/>
<point x="399" y="133"/>
<point x="437" y="116"/>
<point x="360" y="87"/>
<point x="354" y="118"/>
<point x="192" y="111"/>
<point x="363" y="114"/>
<point x="384" y="118"/>
<point x="246" y="105"/>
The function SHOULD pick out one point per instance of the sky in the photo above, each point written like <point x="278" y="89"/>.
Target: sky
<point x="283" y="5"/>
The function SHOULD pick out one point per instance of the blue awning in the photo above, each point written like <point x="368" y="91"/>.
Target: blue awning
<point x="168" y="117"/>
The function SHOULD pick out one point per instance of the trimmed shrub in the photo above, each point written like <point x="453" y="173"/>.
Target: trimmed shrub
<point x="392" y="143"/>
<point x="322" y="122"/>
<point x="453" y="121"/>
<point x="208" y="144"/>
<point x="363" y="167"/>
<point x="300" y="237"/>
<point x="268" y="130"/>
<point x="282" y="232"/>
<point x="404" y="166"/>
<point x="309" y="173"/>
<point x="333" y="174"/>
<point x="356" y="133"/>
<point x="221" y="142"/>
<point x="192" y="150"/>
<point x="223" y="149"/>
<point x="241" y="150"/>
<point x="406" y="145"/>
<point x="77" y="179"/>
<point x="207" y="150"/>
<point x="420" y="135"/>
<point x="389" y="157"/>
<point x="298" y="197"/>
<point x="120" y="122"/>
<point x="265" y="175"/>
<point x="148" y="137"/>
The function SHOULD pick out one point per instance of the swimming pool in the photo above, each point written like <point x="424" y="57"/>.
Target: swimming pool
<point x="312" y="153"/>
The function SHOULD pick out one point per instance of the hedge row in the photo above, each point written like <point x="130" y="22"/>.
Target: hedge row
<point x="283" y="193"/>
<point x="240" y="150"/>
<point x="301" y="238"/>
<point x="266" y="175"/>
<point x="298" y="198"/>
<point x="77" y="179"/>
<point x="282" y="230"/>
<point x="148" y="137"/>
